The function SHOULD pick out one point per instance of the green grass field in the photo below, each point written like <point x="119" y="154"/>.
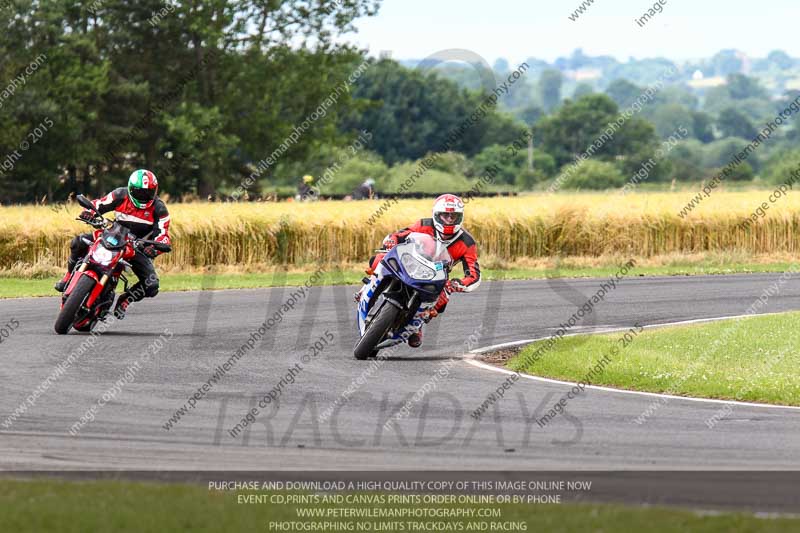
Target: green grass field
<point x="751" y="359"/>
<point x="18" y="287"/>
<point x="115" y="506"/>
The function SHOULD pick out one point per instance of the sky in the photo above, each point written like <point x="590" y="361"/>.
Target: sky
<point x="517" y="29"/>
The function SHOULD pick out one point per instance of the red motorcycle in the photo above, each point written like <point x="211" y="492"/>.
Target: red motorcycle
<point x="92" y="287"/>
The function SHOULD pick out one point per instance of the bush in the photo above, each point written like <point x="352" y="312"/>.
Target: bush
<point x="720" y="153"/>
<point x="431" y="181"/>
<point x="496" y="155"/>
<point x="349" y="170"/>
<point x="452" y="163"/>
<point x="514" y="168"/>
<point x="686" y="160"/>
<point x="742" y="172"/>
<point x="594" y="175"/>
<point x="544" y="163"/>
<point x="780" y="168"/>
<point x="527" y="179"/>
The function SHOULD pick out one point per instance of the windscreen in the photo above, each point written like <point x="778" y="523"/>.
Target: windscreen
<point x="428" y="247"/>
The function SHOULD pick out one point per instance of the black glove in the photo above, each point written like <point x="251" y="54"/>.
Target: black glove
<point x="150" y="252"/>
<point x="87" y="216"/>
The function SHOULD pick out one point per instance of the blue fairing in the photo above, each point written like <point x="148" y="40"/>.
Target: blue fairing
<point x="429" y="289"/>
<point x="392" y="267"/>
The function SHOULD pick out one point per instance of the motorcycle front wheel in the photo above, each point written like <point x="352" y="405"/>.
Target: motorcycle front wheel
<point x="74" y="302"/>
<point x="376" y="331"/>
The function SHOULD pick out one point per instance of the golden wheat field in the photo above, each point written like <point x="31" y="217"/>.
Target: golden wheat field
<point x="507" y="229"/>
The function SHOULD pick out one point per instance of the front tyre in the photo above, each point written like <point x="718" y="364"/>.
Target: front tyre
<point x="376" y="331"/>
<point x="86" y="328"/>
<point x="74" y="302"/>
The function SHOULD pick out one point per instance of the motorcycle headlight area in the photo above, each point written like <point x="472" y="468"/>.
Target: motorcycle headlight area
<point x="415" y="268"/>
<point x="102" y="255"/>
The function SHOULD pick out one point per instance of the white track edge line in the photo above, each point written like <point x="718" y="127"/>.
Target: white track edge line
<point x="470" y="359"/>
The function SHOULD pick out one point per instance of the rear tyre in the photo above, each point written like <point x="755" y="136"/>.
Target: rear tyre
<point x="74" y="301"/>
<point x="376" y="331"/>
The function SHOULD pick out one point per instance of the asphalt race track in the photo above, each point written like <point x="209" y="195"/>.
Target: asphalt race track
<point x="598" y="433"/>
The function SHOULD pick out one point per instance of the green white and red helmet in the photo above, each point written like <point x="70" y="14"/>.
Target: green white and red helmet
<point x="448" y="214"/>
<point x="142" y="188"/>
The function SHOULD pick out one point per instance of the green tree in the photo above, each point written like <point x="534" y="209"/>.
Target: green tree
<point x="741" y="87"/>
<point x="732" y="123"/>
<point x="702" y="126"/>
<point x="726" y="62"/>
<point x="122" y="86"/>
<point x="582" y="89"/>
<point x="531" y="115"/>
<point x="780" y="59"/>
<point x="623" y="92"/>
<point x="549" y="87"/>
<point x="412" y="113"/>
<point x="667" y="118"/>
<point x="581" y="124"/>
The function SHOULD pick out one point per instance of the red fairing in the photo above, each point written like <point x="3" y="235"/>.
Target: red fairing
<point x="129" y="251"/>
<point x="76" y="277"/>
<point x="94" y="294"/>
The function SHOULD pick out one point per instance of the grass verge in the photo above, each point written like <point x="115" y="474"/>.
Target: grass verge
<point x="41" y="284"/>
<point x="748" y="359"/>
<point x="114" y="506"/>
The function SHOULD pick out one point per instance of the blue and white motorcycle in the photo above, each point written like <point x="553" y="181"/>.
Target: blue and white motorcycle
<point x="405" y="284"/>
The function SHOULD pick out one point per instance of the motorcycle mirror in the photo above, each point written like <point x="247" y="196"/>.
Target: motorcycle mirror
<point x="85" y="202"/>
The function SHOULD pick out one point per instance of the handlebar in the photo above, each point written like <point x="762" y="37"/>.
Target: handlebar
<point x="85" y="203"/>
<point x="160" y="246"/>
<point x="100" y="222"/>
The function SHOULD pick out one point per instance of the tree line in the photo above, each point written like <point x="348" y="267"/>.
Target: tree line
<point x="205" y="92"/>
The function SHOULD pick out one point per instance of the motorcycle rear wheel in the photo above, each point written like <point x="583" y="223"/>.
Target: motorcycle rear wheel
<point x="74" y="301"/>
<point x="376" y="331"/>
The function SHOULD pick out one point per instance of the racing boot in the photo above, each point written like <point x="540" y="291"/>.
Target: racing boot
<point x="122" y="306"/>
<point x="61" y="285"/>
<point x="415" y="339"/>
<point x="357" y="295"/>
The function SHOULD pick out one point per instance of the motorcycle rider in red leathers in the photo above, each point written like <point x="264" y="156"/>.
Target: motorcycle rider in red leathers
<point x="445" y="225"/>
<point x="144" y="214"/>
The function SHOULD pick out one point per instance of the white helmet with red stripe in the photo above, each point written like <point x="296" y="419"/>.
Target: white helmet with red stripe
<point x="448" y="214"/>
